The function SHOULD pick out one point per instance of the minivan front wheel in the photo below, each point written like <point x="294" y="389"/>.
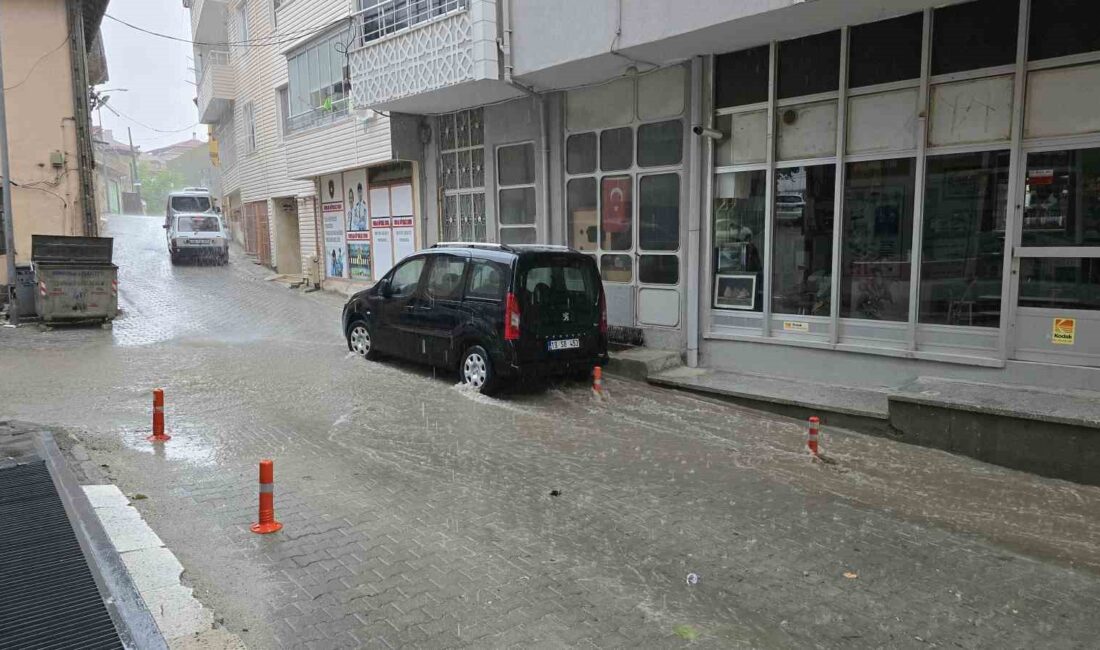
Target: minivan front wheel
<point x="360" y="341"/>
<point x="476" y="370"/>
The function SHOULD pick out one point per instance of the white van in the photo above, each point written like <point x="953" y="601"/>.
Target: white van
<point x="199" y="235"/>
<point x="189" y="199"/>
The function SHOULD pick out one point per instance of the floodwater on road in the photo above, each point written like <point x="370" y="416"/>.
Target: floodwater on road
<point x="419" y="513"/>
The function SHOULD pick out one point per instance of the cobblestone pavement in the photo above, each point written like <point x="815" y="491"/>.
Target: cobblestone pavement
<point x="419" y="514"/>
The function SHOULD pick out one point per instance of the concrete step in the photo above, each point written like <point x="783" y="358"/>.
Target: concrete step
<point x="1052" y="433"/>
<point x="855" y="408"/>
<point x="640" y="363"/>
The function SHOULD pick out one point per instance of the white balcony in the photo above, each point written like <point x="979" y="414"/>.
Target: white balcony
<point x="216" y="87"/>
<point x="208" y="21"/>
<point x="425" y="56"/>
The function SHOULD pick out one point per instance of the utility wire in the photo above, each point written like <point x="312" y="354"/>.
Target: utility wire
<point x="260" y="41"/>
<point x="146" y="126"/>
<point x="35" y="64"/>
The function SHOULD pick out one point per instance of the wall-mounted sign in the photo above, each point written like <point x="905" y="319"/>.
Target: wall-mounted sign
<point x="795" y="326"/>
<point x="332" y="216"/>
<point x="1063" y="331"/>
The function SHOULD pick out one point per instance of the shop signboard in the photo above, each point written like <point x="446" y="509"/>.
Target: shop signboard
<point x="1063" y="331"/>
<point x="359" y="257"/>
<point x="357" y="221"/>
<point x="332" y="215"/>
<point x="403" y="221"/>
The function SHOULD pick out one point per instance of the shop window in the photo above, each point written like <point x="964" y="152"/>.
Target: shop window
<point x="516" y="164"/>
<point x="661" y="93"/>
<point x="580" y="197"/>
<point x="616" y="214"/>
<point x="809" y="65"/>
<point x="962" y="249"/>
<point x="807" y="131"/>
<point x="885" y="51"/>
<point x="615" y="268"/>
<point x="877" y="240"/>
<point x="741" y="78"/>
<point x="659" y="213"/>
<point x="1060" y="283"/>
<point x="660" y="144"/>
<point x="973" y="35"/>
<point x="744" y="138"/>
<point x="739" y="242"/>
<point x="802" y="252"/>
<point x="1060" y="29"/>
<point x="445" y="278"/>
<point x="1062" y="199"/>
<point x="658" y="269"/>
<point x="517" y="206"/>
<point x="580" y="153"/>
<point x="616" y="149"/>
<point x="885" y="121"/>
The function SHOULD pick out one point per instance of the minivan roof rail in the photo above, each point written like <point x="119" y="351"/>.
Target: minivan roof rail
<point x="472" y="244"/>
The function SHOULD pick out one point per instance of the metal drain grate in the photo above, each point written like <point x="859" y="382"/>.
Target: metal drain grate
<point x="49" y="598"/>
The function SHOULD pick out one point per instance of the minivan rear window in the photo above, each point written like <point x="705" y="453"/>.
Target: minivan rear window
<point x="191" y="203"/>
<point x="197" y="224"/>
<point x="570" y="279"/>
<point x="486" y="280"/>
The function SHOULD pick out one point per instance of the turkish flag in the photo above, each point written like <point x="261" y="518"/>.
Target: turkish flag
<point x="616" y="204"/>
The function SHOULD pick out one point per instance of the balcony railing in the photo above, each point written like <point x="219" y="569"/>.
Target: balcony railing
<point x="317" y="116"/>
<point x="380" y="18"/>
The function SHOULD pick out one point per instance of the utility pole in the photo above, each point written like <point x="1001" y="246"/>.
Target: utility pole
<point x="135" y="181"/>
<point x="9" y="226"/>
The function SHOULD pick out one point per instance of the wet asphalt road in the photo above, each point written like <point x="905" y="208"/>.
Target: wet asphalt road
<point x="419" y="514"/>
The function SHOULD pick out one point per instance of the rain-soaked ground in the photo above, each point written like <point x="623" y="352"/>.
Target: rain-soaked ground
<point x="417" y="513"/>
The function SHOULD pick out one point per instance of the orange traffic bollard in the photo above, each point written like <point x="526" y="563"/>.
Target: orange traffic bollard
<point x="597" y="381"/>
<point x="267" y="523"/>
<point x="158" y="417"/>
<point x="815" y="422"/>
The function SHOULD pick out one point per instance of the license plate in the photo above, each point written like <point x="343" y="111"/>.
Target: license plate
<point x="563" y="344"/>
<point x="200" y="242"/>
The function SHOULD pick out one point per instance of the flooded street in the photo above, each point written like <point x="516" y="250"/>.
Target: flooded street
<point x="418" y="513"/>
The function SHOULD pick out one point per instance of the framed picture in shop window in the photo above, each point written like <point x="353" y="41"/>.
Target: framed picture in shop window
<point x="735" y="291"/>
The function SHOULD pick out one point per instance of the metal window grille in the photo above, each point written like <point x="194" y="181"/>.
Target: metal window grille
<point x="380" y="18"/>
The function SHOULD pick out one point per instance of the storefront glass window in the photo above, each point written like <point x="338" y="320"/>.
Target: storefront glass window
<point x="973" y="35"/>
<point x="738" y="213"/>
<point x="962" y="252"/>
<point x="802" y="255"/>
<point x="659" y="213"/>
<point x="581" y="213"/>
<point x="741" y="78"/>
<point x="809" y="65"/>
<point x="1060" y="282"/>
<point x="580" y="153"/>
<point x="877" y="240"/>
<point x="615" y="268"/>
<point x="516" y="195"/>
<point x="516" y="164"/>
<point x="1057" y="29"/>
<point x="659" y="269"/>
<point x="616" y="149"/>
<point x="617" y="209"/>
<point x="885" y="51"/>
<point x="660" y="144"/>
<point x="1062" y="199"/>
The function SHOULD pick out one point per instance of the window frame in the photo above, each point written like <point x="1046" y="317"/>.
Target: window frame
<point x="501" y="187"/>
<point x="251" y="139"/>
<point x="458" y="193"/>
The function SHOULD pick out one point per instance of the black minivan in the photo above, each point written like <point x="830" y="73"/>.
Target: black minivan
<point x="491" y="311"/>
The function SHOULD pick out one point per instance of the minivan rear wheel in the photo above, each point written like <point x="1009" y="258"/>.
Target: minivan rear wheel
<point x="476" y="370"/>
<point x="360" y="341"/>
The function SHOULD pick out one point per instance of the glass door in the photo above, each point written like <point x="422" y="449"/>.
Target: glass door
<point x="1056" y="266"/>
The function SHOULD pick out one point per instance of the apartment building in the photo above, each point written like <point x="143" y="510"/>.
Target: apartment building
<point x="50" y="141"/>
<point x="300" y="169"/>
<point x="854" y="192"/>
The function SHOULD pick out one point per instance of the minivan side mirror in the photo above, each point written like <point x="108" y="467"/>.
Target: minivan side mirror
<point x="165" y="226"/>
<point x="387" y="289"/>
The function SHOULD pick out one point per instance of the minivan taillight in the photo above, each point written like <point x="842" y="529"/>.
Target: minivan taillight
<point x="511" y="318"/>
<point x="603" y="312"/>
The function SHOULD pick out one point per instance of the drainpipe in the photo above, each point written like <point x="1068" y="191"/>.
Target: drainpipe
<point x="544" y="123"/>
<point x="696" y="148"/>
